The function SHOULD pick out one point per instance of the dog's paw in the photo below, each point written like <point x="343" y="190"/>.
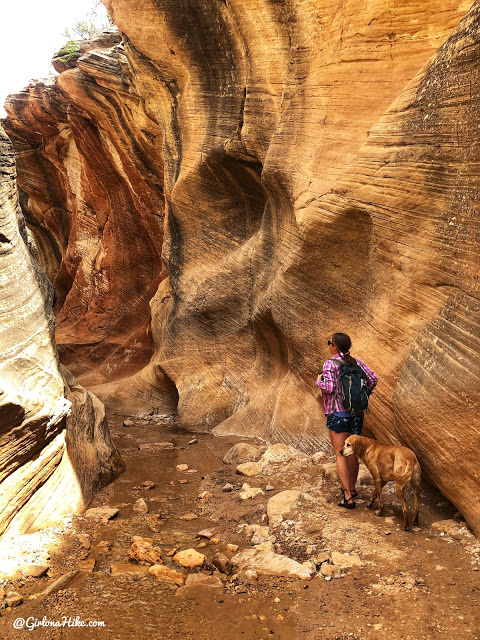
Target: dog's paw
<point x="379" y="512"/>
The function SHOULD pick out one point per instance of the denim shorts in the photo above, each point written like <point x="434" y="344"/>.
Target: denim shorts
<point x="351" y="424"/>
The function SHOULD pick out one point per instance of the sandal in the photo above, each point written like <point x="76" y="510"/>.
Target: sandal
<point x="354" y="492"/>
<point x="347" y="503"/>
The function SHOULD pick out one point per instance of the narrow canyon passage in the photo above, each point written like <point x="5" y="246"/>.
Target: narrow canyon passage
<point x="198" y="199"/>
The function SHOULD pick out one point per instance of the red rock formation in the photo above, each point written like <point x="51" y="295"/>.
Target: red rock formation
<point x="91" y="173"/>
<point x="55" y="444"/>
<point x="320" y="174"/>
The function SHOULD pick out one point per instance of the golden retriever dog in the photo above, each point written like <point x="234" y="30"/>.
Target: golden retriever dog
<point x="387" y="462"/>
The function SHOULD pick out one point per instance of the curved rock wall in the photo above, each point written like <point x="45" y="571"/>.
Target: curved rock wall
<point x="320" y="174"/>
<point x="319" y="184"/>
<point x="54" y="440"/>
<point x="91" y="174"/>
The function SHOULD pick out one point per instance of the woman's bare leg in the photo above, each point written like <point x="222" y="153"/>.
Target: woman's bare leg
<point x="353" y="465"/>
<point x="343" y="466"/>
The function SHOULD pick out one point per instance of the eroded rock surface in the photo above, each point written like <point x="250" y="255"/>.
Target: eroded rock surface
<point x="90" y="172"/>
<point x="320" y="173"/>
<point x="55" y="444"/>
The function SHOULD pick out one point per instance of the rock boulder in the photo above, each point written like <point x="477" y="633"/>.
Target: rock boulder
<point x="269" y="563"/>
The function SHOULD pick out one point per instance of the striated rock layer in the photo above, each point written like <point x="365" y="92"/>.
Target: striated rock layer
<point x="91" y="173"/>
<point x="54" y="440"/>
<point x="320" y="173"/>
<point x="325" y="178"/>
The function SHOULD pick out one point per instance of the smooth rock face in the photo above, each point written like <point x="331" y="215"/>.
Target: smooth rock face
<point x="345" y="561"/>
<point x="269" y="563"/>
<point x="257" y="533"/>
<point x="189" y="558"/>
<point x="35" y="570"/>
<point x="323" y="201"/>
<point x="91" y="176"/>
<point x="329" y="471"/>
<point x="55" y="446"/>
<point x="140" y="506"/>
<point x="240" y="453"/>
<point x="104" y="513"/>
<point x="165" y="574"/>
<point x="318" y="166"/>
<point x="281" y="504"/>
<point x="249" y="469"/>
<point x="279" y="453"/>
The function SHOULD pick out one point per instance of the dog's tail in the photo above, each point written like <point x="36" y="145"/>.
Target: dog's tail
<point x="415" y="482"/>
<point x="416" y="475"/>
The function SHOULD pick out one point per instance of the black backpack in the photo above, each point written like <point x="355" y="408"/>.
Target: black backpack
<point x="354" y="385"/>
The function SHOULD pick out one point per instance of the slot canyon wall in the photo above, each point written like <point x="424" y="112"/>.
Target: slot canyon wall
<point x="303" y="167"/>
<point x="90" y="175"/>
<point x="55" y="446"/>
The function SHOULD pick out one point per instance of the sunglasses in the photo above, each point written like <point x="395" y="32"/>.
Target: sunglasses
<point x="330" y="343"/>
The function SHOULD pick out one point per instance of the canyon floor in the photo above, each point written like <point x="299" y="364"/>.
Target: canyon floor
<point x="413" y="585"/>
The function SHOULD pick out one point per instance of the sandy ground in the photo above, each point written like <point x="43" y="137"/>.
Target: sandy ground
<point x="414" y="585"/>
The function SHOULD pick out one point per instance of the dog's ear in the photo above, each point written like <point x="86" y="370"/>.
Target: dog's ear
<point x="361" y="444"/>
<point x="356" y="443"/>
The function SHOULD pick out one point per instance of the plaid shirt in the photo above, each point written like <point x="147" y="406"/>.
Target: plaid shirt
<point x="332" y="393"/>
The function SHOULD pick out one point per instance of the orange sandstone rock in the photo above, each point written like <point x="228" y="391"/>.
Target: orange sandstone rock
<point x="318" y="168"/>
<point x="55" y="444"/>
<point x="165" y="574"/>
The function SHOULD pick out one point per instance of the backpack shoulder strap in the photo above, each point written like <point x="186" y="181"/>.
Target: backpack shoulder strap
<point x="339" y="362"/>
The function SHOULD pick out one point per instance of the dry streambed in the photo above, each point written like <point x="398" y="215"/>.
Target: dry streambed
<point x="214" y="538"/>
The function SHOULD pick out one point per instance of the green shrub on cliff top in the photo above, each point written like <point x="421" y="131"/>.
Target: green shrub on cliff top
<point x="68" y="50"/>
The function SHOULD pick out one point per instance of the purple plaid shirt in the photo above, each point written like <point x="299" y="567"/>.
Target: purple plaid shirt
<point x="332" y="393"/>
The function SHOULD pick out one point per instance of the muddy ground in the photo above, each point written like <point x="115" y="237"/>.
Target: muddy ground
<point x="414" y="585"/>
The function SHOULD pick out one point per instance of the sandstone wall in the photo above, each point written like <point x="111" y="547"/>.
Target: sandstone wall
<point x="91" y="174"/>
<point x="55" y="447"/>
<point x="325" y="178"/>
<point x="320" y="173"/>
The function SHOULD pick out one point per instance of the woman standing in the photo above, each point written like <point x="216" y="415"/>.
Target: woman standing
<point x="342" y="423"/>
